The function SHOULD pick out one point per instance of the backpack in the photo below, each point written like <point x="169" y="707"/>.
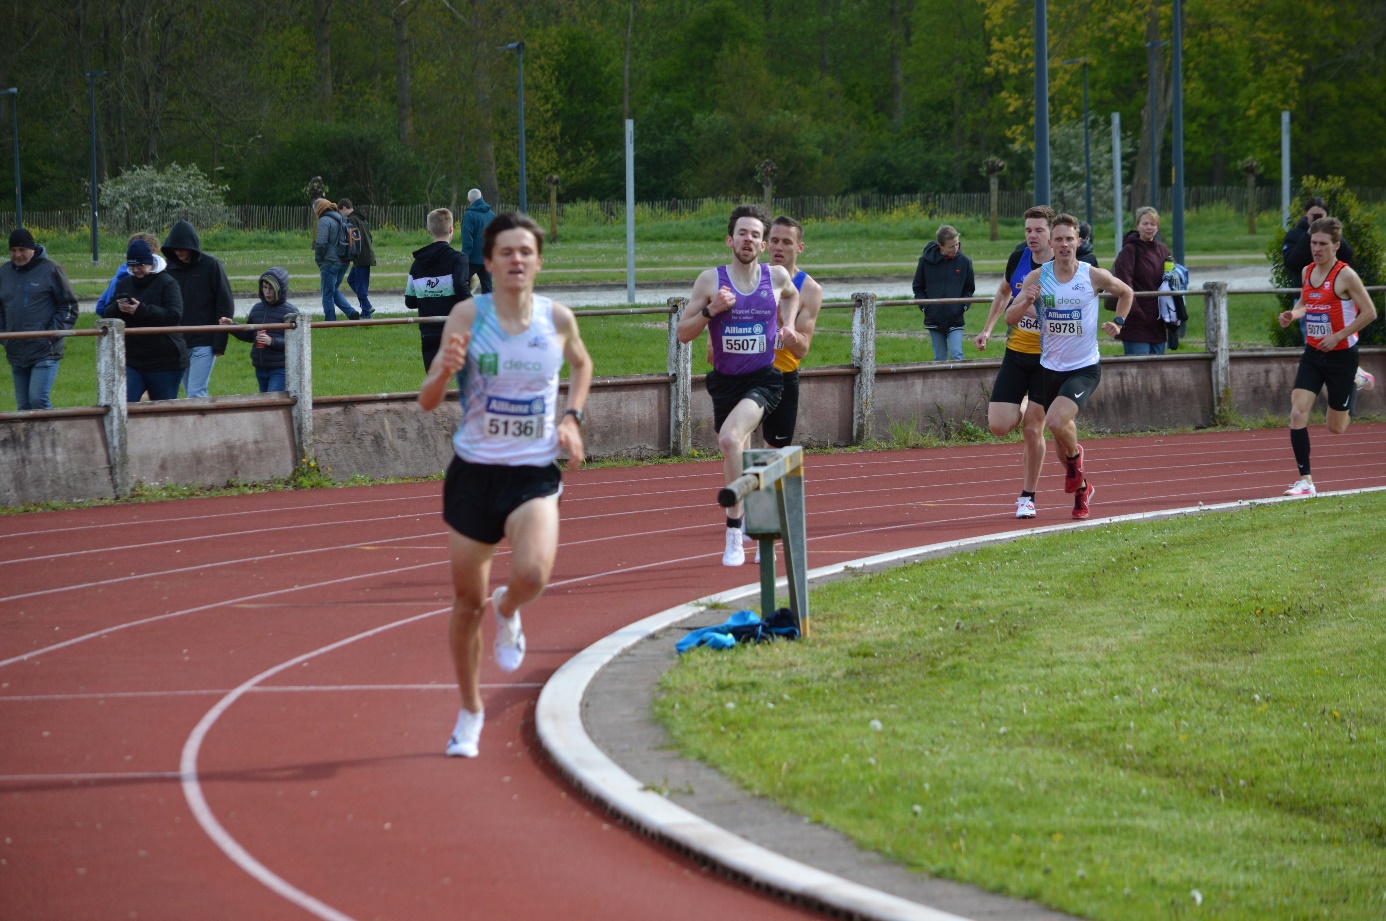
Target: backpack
<point x="348" y="241"/>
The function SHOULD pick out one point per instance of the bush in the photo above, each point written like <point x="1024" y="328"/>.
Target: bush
<point x="1366" y="260"/>
<point x="367" y="164"/>
<point x="145" y="196"/>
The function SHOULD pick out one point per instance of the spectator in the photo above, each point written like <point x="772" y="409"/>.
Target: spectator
<point x="1295" y="249"/>
<point x="438" y="279"/>
<point x="107" y="299"/>
<point x="944" y="272"/>
<point x="1141" y="264"/>
<point x="273" y="307"/>
<point x="474" y="222"/>
<point x="206" y="299"/>
<point x="359" y="278"/>
<point x="34" y="295"/>
<point x="1085" y="250"/>
<point x="153" y="363"/>
<point x="330" y="250"/>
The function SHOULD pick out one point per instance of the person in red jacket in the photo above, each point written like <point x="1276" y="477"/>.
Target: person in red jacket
<point x="1141" y="264"/>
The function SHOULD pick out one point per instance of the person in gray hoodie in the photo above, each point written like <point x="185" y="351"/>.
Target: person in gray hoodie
<point x="273" y="307"/>
<point x="206" y="299"/>
<point x="329" y="252"/>
<point x="34" y="295"/>
<point x="944" y="271"/>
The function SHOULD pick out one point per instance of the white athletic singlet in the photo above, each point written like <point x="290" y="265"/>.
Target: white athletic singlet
<point x="1068" y="320"/>
<point x="508" y="388"/>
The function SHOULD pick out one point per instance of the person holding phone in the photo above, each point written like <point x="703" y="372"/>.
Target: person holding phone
<point x="154" y="364"/>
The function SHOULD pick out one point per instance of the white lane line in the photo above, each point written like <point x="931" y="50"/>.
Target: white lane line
<point x="558" y="721"/>
<point x="267" y="689"/>
<point x="89" y="778"/>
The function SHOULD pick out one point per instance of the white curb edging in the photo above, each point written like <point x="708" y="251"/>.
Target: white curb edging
<point x="558" y="718"/>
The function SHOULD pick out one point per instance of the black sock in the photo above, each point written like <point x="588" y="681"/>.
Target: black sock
<point x="1299" y="440"/>
<point x="1026" y="494"/>
<point x="733" y="524"/>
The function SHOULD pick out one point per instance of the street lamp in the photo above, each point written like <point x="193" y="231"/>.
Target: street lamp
<point x="95" y="194"/>
<point x="1087" y="139"/>
<point x="18" y="195"/>
<point x="1041" y="102"/>
<point x="519" y="49"/>
<point x="1152" y="98"/>
<point x="1177" y="193"/>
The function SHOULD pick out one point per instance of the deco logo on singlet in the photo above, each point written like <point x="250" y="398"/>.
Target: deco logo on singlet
<point x="489" y="363"/>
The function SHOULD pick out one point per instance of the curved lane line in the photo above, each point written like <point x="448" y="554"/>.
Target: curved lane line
<point x="558" y="719"/>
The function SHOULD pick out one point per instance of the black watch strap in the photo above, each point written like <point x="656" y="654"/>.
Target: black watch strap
<point x="577" y="414"/>
<point x="707" y="313"/>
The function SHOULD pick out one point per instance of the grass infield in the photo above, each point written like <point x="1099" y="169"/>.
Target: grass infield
<point x="1139" y="721"/>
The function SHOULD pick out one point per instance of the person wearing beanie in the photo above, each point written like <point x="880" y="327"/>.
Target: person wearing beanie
<point x="154" y="364"/>
<point x="34" y="295"/>
<point x="330" y="253"/>
<point x="267" y="356"/>
<point x="107" y="299"/>
<point x="206" y="299"/>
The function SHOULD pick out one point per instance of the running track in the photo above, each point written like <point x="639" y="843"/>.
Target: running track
<point x="194" y="692"/>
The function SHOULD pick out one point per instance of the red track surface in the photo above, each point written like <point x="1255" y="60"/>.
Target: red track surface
<point x="122" y="630"/>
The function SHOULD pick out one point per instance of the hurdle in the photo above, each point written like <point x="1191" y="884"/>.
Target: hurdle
<point x="772" y="487"/>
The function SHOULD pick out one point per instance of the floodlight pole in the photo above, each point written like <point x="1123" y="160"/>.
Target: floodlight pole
<point x="1177" y="193"/>
<point x="519" y="49"/>
<point x="95" y="192"/>
<point x="13" y="93"/>
<point x="1041" y="103"/>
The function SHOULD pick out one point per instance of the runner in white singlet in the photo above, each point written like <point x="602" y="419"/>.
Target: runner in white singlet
<point x="1062" y="296"/>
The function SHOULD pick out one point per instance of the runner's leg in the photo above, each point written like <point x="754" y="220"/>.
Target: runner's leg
<point x="533" y="532"/>
<point x="1060" y="420"/>
<point x="1034" y="445"/>
<point x="471" y="567"/>
<point x="1002" y="418"/>
<point x="733" y="439"/>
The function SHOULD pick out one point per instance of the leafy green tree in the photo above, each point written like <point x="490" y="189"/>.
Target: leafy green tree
<point x="366" y="163"/>
<point x="146" y="196"/>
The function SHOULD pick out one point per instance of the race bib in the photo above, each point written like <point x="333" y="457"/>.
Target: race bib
<point x="746" y="339"/>
<point x="1317" y="326"/>
<point x="1029" y="324"/>
<point x="515" y="420"/>
<point x="1058" y="322"/>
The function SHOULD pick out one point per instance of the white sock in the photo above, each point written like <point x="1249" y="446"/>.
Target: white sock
<point x="463" y="714"/>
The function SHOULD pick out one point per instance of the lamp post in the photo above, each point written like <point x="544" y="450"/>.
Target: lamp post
<point x="519" y="49"/>
<point x="1177" y="151"/>
<point x="1087" y="141"/>
<point x="95" y="193"/>
<point x="13" y="92"/>
<point x="1151" y="101"/>
<point x="1041" y="103"/>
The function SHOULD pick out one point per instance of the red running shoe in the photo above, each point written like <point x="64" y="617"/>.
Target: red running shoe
<point x="1073" y="472"/>
<point x="1081" y="499"/>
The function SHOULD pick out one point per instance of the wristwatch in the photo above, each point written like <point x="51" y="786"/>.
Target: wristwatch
<point x="707" y="313"/>
<point x="576" y="414"/>
<point x="1119" y="321"/>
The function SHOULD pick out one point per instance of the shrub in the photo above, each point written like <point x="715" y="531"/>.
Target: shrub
<point x="366" y="163"/>
<point x="146" y="196"/>
<point x="1366" y="260"/>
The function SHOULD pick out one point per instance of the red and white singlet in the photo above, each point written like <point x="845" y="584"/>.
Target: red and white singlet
<point x="1325" y="313"/>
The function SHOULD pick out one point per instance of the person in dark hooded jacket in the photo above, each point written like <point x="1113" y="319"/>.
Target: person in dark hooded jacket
<point x="206" y="299"/>
<point x="1141" y="264"/>
<point x="273" y="307"/>
<point x="1085" y="250"/>
<point x="153" y="363"/>
<point x="438" y="279"/>
<point x="34" y="295"/>
<point x="944" y="271"/>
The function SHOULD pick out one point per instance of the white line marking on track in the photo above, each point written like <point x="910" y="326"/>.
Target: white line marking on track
<point x="266" y="689"/>
<point x="87" y="778"/>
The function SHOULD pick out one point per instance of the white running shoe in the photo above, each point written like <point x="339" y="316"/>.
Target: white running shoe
<point x="744" y="539"/>
<point x="1365" y="380"/>
<point x="509" y="648"/>
<point x="466" y="735"/>
<point x="1025" y="507"/>
<point x="735" y="554"/>
<point x="1303" y="487"/>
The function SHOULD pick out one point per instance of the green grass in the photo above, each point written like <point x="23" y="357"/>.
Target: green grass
<point x="1105" y="721"/>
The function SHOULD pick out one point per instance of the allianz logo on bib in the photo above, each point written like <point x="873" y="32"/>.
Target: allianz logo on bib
<point x="507" y="407"/>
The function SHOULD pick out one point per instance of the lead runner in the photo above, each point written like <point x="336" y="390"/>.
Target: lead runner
<point x="1062" y="295"/>
<point x="506" y="348"/>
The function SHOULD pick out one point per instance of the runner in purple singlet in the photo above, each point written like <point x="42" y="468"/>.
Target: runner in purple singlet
<point x="743" y="306"/>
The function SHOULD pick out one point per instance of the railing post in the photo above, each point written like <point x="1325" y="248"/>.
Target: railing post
<point x="864" y="360"/>
<point x="298" y="377"/>
<point x="110" y="393"/>
<point x="1215" y="337"/>
<point x="680" y="384"/>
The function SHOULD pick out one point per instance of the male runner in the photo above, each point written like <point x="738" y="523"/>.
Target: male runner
<point x="744" y="306"/>
<point x="1335" y="306"/>
<point x="1020" y="374"/>
<point x="1062" y="296"/>
<point x="785" y="244"/>
<point x="508" y="347"/>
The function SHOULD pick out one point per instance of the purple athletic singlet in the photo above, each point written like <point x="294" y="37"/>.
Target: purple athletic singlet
<point x="743" y="338"/>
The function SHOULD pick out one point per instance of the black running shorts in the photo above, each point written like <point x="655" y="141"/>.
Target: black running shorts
<point x="1077" y="384"/>
<point x="763" y="387"/>
<point x="1336" y="369"/>
<point x="778" y="428"/>
<point x="478" y="498"/>
<point x="1020" y="374"/>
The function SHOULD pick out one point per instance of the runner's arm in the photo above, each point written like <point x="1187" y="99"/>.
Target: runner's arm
<point x="1024" y="303"/>
<point x="810" y="303"/>
<point x="1294" y="313"/>
<point x="1349" y="287"/>
<point x="998" y="304"/>
<point x="452" y="355"/>
<point x="692" y="323"/>
<point x="1125" y="294"/>
<point x="787" y="295"/>
<point x="579" y="383"/>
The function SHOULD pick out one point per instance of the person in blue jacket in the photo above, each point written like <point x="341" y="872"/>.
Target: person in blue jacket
<point x="107" y="299"/>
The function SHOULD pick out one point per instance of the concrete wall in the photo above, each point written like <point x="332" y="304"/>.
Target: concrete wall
<point x="210" y="442"/>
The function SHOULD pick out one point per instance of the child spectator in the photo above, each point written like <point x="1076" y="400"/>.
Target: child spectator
<point x="273" y="307"/>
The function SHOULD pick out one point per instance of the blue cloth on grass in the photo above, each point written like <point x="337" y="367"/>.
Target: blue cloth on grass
<point x="744" y="627"/>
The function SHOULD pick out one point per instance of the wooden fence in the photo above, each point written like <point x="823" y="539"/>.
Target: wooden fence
<point x="1011" y="204"/>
